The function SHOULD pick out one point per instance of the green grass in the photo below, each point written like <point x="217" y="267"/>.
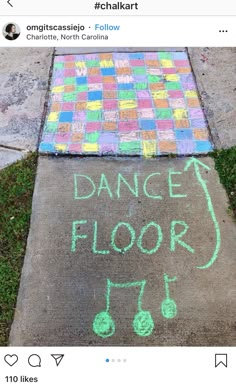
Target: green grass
<point x="16" y="188"/>
<point x="225" y="164"/>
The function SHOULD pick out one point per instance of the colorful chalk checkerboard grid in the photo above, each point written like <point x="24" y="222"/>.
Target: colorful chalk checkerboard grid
<point x="124" y="103"/>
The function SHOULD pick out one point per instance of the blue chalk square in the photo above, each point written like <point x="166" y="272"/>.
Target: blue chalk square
<point x="66" y="116"/>
<point x="95" y="95"/>
<point x="81" y="80"/>
<point x="125" y="86"/>
<point x="46" y="147"/>
<point x="136" y="55"/>
<point x="181" y="134"/>
<point x="202" y="146"/>
<point x="108" y="71"/>
<point x="179" y="56"/>
<point x="147" y="124"/>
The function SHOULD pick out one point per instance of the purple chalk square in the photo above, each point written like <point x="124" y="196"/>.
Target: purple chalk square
<point x="198" y="123"/>
<point x="62" y="138"/>
<point x="185" y="147"/>
<point x="164" y="124"/>
<point x="75" y="148"/>
<point x="128" y="126"/>
<point x="196" y="113"/>
<point x="181" y="63"/>
<point x="109" y="86"/>
<point x="91" y="57"/>
<point x="48" y="137"/>
<point x="175" y="94"/>
<point x="108" y="148"/>
<point x="140" y="78"/>
<point x="137" y="62"/>
<point x="58" y="73"/>
<point x="169" y="70"/>
<point x="150" y="55"/>
<point x="69" y="58"/>
<point x="58" y="81"/>
<point x="69" y="73"/>
<point x="79" y="116"/>
<point x="143" y="94"/>
<point x="93" y="126"/>
<point x="82" y="96"/>
<point x="58" y="59"/>
<point x="187" y="82"/>
<point x="106" y="138"/>
<point x="120" y="56"/>
<point x="179" y="55"/>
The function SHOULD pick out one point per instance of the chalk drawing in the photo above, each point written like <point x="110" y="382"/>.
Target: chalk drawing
<point x="124" y="106"/>
<point x="197" y="163"/>
<point x="168" y="305"/>
<point x="104" y="325"/>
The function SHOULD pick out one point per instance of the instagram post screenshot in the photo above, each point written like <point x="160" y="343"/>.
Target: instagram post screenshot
<point x="117" y="193"/>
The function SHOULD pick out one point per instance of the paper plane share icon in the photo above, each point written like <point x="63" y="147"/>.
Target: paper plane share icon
<point x="58" y="358"/>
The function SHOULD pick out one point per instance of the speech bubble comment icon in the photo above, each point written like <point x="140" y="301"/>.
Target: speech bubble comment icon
<point x="34" y="360"/>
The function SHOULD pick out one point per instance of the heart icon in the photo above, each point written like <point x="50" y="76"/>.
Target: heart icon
<point x="11" y="359"/>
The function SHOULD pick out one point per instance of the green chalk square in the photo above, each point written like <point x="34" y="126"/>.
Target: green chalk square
<point x="163" y="113"/>
<point x="139" y="70"/>
<point x="92" y="63"/>
<point x="59" y="66"/>
<point x="154" y="79"/>
<point x="130" y="147"/>
<point x="93" y="116"/>
<point x="172" y="86"/>
<point x="165" y="55"/>
<point x="70" y="97"/>
<point x="51" y="127"/>
<point x="81" y="88"/>
<point x="140" y="86"/>
<point x="92" y="137"/>
<point x="127" y="94"/>
<point x="69" y="80"/>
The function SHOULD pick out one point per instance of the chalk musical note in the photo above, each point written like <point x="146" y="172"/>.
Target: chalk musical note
<point x="104" y="325"/>
<point x="168" y="305"/>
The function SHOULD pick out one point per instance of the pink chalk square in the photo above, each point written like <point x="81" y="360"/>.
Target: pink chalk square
<point x="69" y="73"/>
<point x="75" y="148"/>
<point x="154" y="71"/>
<point x="62" y="138"/>
<point x="144" y="103"/>
<point x="68" y="106"/>
<point x="164" y="124"/>
<point x="146" y="114"/>
<point x="82" y="96"/>
<point x="171" y="70"/>
<point x="59" y="59"/>
<point x="110" y="104"/>
<point x="69" y="58"/>
<point x="95" y="79"/>
<point x="143" y="94"/>
<point x="128" y="126"/>
<point x="177" y="103"/>
<point x="93" y="126"/>
<point x="109" y="86"/>
<point x="150" y="55"/>
<point x="137" y="62"/>
<point x="108" y="148"/>
<point x="175" y="94"/>
<point x="181" y="63"/>
<point x="48" y="137"/>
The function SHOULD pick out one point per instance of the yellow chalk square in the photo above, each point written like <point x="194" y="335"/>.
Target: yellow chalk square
<point x="180" y="114"/>
<point x="127" y="104"/>
<point x="106" y="63"/>
<point x="167" y="63"/>
<point x="53" y="117"/>
<point x="149" y="148"/>
<point x="172" y="77"/>
<point x="61" y="146"/>
<point x="58" y="89"/>
<point x="161" y="94"/>
<point x="95" y="105"/>
<point x="90" y="147"/>
<point x="190" y="94"/>
<point x="80" y="64"/>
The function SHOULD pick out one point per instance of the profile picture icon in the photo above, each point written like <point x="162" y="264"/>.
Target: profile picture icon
<point x="11" y="31"/>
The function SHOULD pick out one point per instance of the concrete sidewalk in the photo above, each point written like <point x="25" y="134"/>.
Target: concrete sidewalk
<point x="128" y="252"/>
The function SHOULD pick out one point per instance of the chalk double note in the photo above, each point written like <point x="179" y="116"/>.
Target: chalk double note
<point x="143" y="324"/>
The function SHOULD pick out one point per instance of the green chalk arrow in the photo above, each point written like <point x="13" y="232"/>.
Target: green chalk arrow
<point x="196" y="163"/>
